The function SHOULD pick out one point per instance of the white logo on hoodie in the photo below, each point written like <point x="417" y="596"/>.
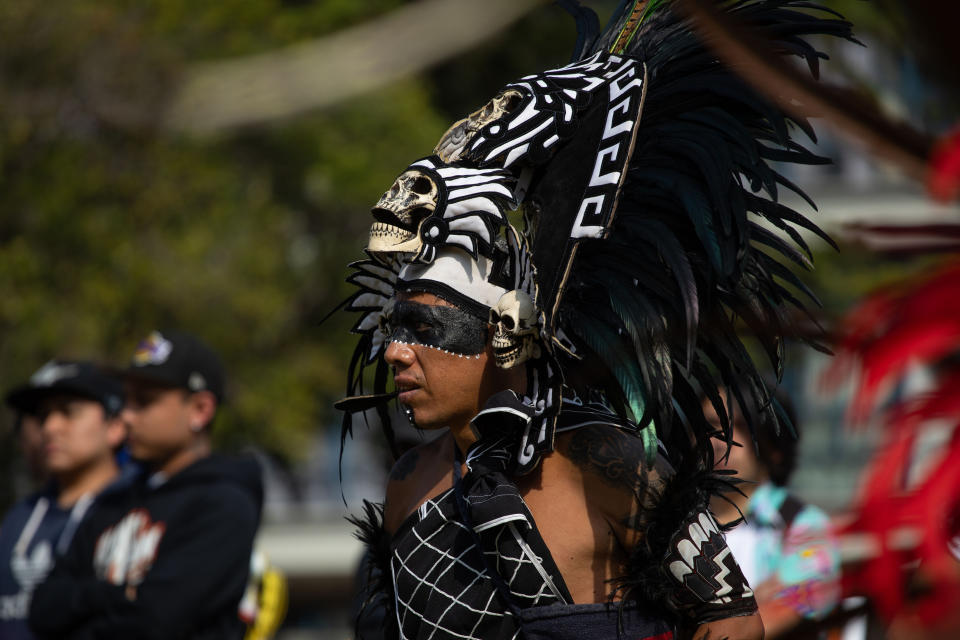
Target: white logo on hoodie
<point x="28" y="570"/>
<point x="125" y="552"/>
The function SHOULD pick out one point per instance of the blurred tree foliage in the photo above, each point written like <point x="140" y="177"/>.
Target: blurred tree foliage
<point x="111" y="228"/>
<point x="109" y="231"/>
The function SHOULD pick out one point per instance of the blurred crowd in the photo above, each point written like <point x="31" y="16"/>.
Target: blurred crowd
<point x="137" y="529"/>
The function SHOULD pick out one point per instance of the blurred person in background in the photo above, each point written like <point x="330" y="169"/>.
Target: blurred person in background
<point x="170" y="557"/>
<point x="786" y="547"/>
<point x="29" y="433"/>
<point x="69" y="423"/>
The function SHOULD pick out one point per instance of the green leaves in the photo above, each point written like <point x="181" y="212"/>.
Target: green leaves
<point x="110" y="230"/>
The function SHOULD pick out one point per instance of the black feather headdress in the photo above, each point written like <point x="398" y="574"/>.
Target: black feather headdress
<point x="652" y="222"/>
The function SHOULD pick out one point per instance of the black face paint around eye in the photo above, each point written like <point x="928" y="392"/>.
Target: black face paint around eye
<point x="446" y="328"/>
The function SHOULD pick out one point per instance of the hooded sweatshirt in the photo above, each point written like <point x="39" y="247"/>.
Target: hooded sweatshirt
<point x="35" y="532"/>
<point x="166" y="559"/>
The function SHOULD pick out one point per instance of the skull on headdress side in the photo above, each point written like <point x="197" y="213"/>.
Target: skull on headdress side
<point x="398" y="214"/>
<point x="454" y="142"/>
<point x="516" y="338"/>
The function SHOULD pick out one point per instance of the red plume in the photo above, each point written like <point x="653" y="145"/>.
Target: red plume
<point x="904" y="531"/>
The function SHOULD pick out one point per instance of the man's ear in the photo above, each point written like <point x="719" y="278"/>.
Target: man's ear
<point x="203" y="406"/>
<point x="116" y="432"/>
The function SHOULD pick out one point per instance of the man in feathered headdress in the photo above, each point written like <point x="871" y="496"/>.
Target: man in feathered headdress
<point x="566" y="360"/>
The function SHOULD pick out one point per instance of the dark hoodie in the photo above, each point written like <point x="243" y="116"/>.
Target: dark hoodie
<point x="35" y="532"/>
<point x="167" y="559"/>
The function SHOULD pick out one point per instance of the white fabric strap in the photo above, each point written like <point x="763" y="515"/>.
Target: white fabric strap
<point x="536" y="562"/>
<point x="30" y="529"/>
<point x="79" y="510"/>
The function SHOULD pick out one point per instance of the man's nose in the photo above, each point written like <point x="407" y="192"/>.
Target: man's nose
<point x="52" y="421"/>
<point x="400" y="355"/>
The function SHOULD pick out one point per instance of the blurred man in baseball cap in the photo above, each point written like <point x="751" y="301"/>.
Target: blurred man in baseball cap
<point x="74" y="407"/>
<point x="174" y="385"/>
<point x="169" y="557"/>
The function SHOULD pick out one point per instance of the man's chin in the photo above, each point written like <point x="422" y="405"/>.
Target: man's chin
<point x="420" y="420"/>
<point x="61" y="466"/>
<point x="144" y="455"/>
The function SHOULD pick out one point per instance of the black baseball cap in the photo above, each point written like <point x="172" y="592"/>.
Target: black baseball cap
<point x="179" y="360"/>
<point x="69" y="377"/>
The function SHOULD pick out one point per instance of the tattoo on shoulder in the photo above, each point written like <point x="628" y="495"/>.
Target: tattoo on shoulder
<point x="405" y="465"/>
<point x="617" y="458"/>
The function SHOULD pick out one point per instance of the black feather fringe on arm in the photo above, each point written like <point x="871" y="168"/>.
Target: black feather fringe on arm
<point x="376" y="608"/>
<point x="665" y="508"/>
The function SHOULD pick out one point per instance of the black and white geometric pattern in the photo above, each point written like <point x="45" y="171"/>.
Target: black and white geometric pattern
<point x="470" y="208"/>
<point x="709" y="584"/>
<point x="548" y="110"/>
<point x="442" y="584"/>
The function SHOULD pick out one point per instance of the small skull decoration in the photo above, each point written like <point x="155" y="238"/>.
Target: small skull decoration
<point x="399" y="212"/>
<point x="517" y="336"/>
<point x="454" y="142"/>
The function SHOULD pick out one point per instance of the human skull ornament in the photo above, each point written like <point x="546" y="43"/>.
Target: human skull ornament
<point x="517" y="335"/>
<point x="454" y="142"/>
<point x="400" y="211"/>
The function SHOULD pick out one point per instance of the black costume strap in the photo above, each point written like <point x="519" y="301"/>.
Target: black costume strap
<point x="490" y="504"/>
<point x="463" y="509"/>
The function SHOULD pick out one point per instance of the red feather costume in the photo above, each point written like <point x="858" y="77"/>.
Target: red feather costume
<point x="901" y="528"/>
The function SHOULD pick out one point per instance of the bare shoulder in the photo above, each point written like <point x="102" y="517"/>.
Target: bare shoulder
<point x="616" y="474"/>
<point x="418" y="475"/>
